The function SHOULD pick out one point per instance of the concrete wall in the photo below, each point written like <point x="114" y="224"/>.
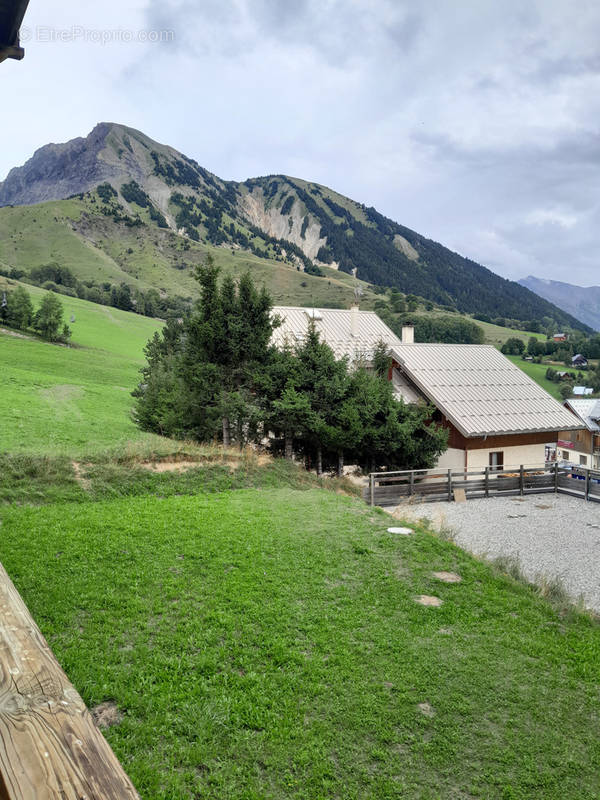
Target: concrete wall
<point x="453" y="459"/>
<point x="527" y="454"/>
<point x="530" y="455"/>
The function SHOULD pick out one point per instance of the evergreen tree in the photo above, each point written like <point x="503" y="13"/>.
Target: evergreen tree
<point x="324" y="381"/>
<point x="19" y="308"/>
<point x="207" y="376"/>
<point x="48" y="319"/>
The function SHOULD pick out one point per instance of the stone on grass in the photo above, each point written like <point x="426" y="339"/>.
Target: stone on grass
<point x="447" y="577"/>
<point x="428" y="600"/>
<point x="426" y="709"/>
<point x="106" y="714"/>
<point x="401" y="531"/>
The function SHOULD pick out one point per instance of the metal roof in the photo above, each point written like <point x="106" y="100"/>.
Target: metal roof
<point x="582" y="390"/>
<point x="336" y="328"/>
<point x="481" y="391"/>
<point x="588" y="412"/>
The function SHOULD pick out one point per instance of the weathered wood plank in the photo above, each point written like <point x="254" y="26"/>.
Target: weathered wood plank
<point x="50" y="747"/>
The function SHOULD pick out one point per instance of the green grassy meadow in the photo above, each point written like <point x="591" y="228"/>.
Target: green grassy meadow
<point x="73" y="399"/>
<point x="267" y="644"/>
<point x="497" y="335"/>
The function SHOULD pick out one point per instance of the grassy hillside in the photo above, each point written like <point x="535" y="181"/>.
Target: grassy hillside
<point x="267" y="644"/>
<point x="73" y="399"/>
<point x="77" y="235"/>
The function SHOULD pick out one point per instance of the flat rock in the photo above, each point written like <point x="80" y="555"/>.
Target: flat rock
<point x="401" y="531"/>
<point x="428" y="600"/>
<point x="426" y="709"/>
<point x="447" y="577"/>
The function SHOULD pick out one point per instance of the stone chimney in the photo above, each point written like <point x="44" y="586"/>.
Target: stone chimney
<point x="408" y="334"/>
<point x="354" y="312"/>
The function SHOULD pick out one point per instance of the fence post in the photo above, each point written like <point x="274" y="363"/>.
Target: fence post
<point x="587" y="484"/>
<point x="372" y="488"/>
<point x="556" y="477"/>
<point x="411" y="488"/>
<point x="449" y="485"/>
<point x="487" y="481"/>
<point x="521" y="481"/>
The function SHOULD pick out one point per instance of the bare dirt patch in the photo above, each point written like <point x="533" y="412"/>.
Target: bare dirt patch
<point x="447" y="577"/>
<point x="106" y="714"/>
<point x="8" y="332"/>
<point x="428" y="600"/>
<point x="426" y="709"/>
<point x="80" y="477"/>
<point x="169" y="466"/>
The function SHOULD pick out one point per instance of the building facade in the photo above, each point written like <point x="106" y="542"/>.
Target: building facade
<point x="581" y="447"/>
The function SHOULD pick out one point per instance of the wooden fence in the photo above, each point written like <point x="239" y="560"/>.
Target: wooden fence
<point x="391" y="488"/>
<point x="50" y="748"/>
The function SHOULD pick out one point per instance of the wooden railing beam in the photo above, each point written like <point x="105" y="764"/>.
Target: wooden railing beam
<point x="50" y="748"/>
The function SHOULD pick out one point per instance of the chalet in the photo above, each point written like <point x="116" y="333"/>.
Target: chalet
<point x="582" y="447"/>
<point x="496" y="415"/>
<point x="560" y="337"/>
<point x="579" y="361"/>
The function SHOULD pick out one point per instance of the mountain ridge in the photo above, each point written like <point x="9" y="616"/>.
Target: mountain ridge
<point x="276" y="217"/>
<point x="582" y="302"/>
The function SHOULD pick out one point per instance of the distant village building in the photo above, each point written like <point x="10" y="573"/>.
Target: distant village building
<point x="497" y="416"/>
<point x="582" y="447"/>
<point x="579" y="361"/>
<point x="560" y="337"/>
<point x="582" y="391"/>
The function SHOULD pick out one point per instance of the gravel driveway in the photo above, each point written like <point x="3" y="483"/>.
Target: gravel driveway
<point x="550" y="535"/>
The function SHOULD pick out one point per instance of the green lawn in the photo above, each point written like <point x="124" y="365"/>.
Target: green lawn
<point x="538" y="373"/>
<point x="73" y="399"/>
<point x="497" y="335"/>
<point x="267" y="644"/>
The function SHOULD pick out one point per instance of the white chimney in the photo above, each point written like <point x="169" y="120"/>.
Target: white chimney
<point x="354" y="312"/>
<point x="408" y="334"/>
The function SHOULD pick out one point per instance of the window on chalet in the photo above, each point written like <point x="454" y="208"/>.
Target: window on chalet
<point x="583" y="461"/>
<point x="497" y="459"/>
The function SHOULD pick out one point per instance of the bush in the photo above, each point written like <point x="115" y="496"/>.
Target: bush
<point x="48" y="319"/>
<point x="18" y="311"/>
<point x="513" y="346"/>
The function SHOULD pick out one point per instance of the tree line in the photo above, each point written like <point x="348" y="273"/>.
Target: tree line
<point x="17" y="311"/>
<point x="217" y="376"/>
<point x="61" y="280"/>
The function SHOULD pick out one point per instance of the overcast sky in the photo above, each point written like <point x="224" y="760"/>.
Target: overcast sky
<point x="474" y="122"/>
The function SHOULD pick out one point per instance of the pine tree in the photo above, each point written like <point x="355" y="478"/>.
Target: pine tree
<point x="19" y="308"/>
<point x="324" y="380"/>
<point x="48" y="319"/>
